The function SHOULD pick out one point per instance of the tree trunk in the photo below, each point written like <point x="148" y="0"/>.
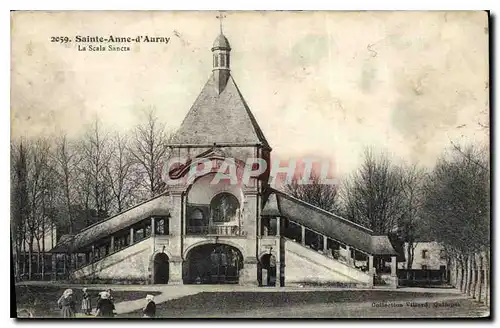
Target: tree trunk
<point x="38" y="259"/>
<point x="30" y="253"/>
<point x="462" y="272"/>
<point x="467" y="275"/>
<point x="480" y="278"/>
<point x="24" y="256"/>
<point x="487" y="278"/>
<point x="473" y="276"/>
<point x="409" y="256"/>
<point x="43" y="253"/>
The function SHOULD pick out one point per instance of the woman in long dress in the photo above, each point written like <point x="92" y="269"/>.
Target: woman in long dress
<point x="67" y="304"/>
<point x="105" y="307"/>
<point x="86" y="302"/>
<point x="149" y="310"/>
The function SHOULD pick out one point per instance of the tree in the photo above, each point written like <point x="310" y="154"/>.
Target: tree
<point x="372" y="196"/>
<point x="149" y="148"/>
<point x="95" y="155"/>
<point x="66" y="162"/>
<point x="19" y="203"/>
<point x="38" y="176"/>
<point x="410" y="227"/>
<point x="457" y="208"/>
<point x="324" y="196"/>
<point x="121" y="173"/>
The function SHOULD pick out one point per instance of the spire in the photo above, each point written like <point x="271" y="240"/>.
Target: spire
<point x="221" y="58"/>
<point x="221" y="16"/>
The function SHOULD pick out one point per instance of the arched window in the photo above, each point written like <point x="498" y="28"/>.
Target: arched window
<point x="222" y="60"/>
<point x="224" y="207"/>
<point x="216" y="61"/>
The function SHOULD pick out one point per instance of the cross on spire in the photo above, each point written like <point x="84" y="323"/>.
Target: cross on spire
<point x="221" y="16"/>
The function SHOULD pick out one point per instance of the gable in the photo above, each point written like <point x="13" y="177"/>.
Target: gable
<point x="221" y="119"/>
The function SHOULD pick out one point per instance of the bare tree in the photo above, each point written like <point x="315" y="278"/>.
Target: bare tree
<point x="19" y="203"/>
<point x="457" y="206"/>
<point x="373" y="195"/>
<point x="410" y="222"/>
<point x="324" y="196"/>
<point x="121" y="173"/>
<point x="149" y="148"/>
<point x="95" y="155"/>
<point x="38" y="172"/>
<point x="66" y="165"/>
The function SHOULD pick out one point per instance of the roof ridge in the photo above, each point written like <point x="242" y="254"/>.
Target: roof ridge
<point x="165" y="193"/>
<point x="255" y="124"/>
<point x="324" y="211"/>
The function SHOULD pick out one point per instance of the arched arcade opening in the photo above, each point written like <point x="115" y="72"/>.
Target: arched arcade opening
<point x="161" y="269"/>
<point x="212" y="264"/>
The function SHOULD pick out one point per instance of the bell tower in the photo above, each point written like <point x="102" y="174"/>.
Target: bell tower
<point x="221" y="51"/>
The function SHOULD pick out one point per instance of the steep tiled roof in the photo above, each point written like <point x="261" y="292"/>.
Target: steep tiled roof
<point x="220" y="118"/>
<point x="157" y="206"/>
<point x="329" y="224"/>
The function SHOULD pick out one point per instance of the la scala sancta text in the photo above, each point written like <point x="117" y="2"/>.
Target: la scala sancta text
<point x="101" y="48"/>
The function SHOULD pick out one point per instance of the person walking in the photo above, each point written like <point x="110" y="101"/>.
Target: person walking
<point x="105" y="307"/>
<point x="86" y="302"/>
<point x="110" y="295"/>
<point x="149" y="310"/>
<point x="67" y="304"/>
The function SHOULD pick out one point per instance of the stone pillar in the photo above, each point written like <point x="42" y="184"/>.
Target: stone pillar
<point x="371" y="271"/>
<point x="278" y="274"/>
<point x="393" y="266"/>
<point x="248" y="274"/>
<point x="112" y="244"/>
<point x="303" y="241"/>
<point x="131" y="236"/>
<point x="325" y="244"/>
<point x="54" y="266"/>
<point x="175" y="272"/>
<point x="348" y="252"/>
<point x="278" y="226"/>
<point x="394" y="276"/>
<point x="153" y="227"/>
<point x="370" y="264"/>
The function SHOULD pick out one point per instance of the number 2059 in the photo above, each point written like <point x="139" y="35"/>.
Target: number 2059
<point x="60" y="39"/>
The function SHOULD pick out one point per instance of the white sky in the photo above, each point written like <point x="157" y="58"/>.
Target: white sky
<point x="321" y="84"/>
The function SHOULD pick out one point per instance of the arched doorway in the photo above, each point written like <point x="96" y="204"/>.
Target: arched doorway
<point x="161" y="269"/>
<point x="213" y="264"/>
<point x="268" y="263"/>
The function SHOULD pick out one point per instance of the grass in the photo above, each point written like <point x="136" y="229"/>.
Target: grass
<point x="41" y="301"/>
<point x="225" y="304"/>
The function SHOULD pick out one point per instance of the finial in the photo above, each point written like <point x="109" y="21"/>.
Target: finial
<point x="221" y="16"/>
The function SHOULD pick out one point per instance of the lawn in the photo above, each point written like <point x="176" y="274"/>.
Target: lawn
<point x="42" y="300"/>
<point x="348" y="303"/>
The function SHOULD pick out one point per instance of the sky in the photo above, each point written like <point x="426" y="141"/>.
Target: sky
<point x="320" y="84"/>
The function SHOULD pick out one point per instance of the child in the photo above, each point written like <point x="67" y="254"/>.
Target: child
<point x="86" y="302"/>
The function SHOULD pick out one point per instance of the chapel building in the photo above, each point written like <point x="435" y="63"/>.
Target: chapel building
<point x="198" y="232"/>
